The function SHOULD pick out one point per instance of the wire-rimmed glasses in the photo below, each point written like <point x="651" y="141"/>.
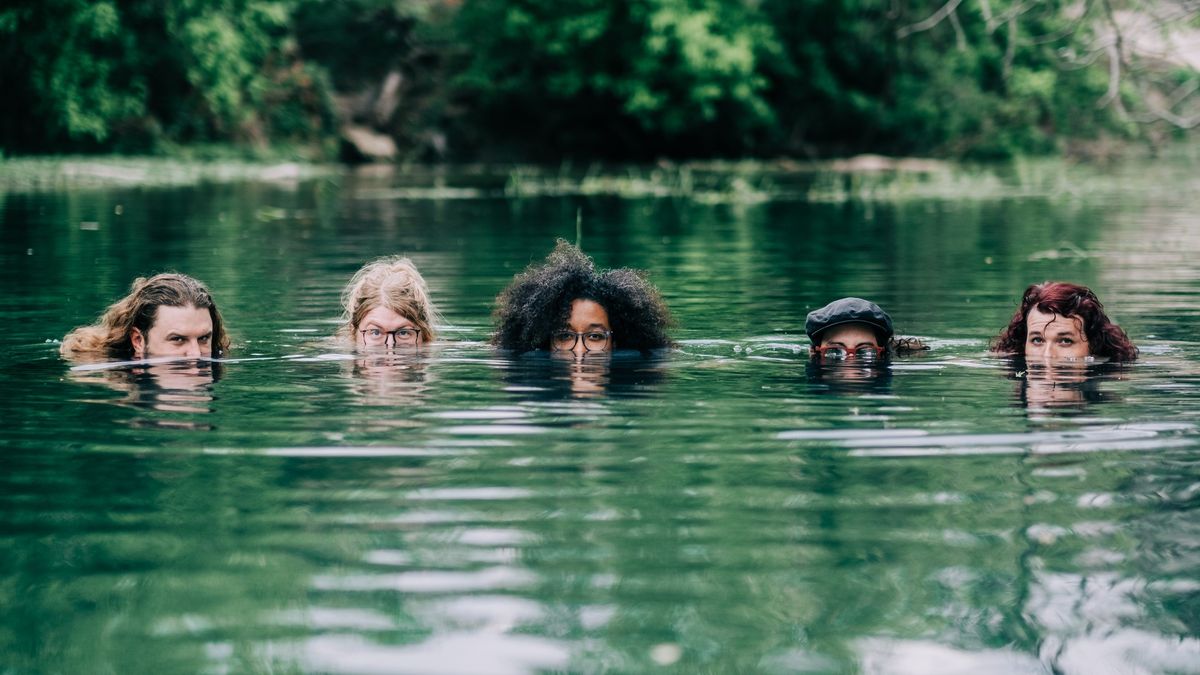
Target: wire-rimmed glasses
<point x="839" y="353"/>
<point x="593" y="340"/>
<point x="401" y="337"/>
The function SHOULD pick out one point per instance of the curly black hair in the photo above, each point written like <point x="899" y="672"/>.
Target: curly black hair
<point x="538" y="302"/>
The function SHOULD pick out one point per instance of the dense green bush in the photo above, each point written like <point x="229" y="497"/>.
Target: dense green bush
<point x="548" y="79"/>
<point x="130" y="74"/>
<point x="680" y="77"/>
<point x="701" y="78"/>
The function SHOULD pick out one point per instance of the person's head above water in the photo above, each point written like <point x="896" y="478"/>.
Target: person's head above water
<point x="386" y="304"/>
<point x="1057" y="320"/>
<point x="164" y="315"/>
<point x="566" y="305"/>
<point x="849" y="328"/>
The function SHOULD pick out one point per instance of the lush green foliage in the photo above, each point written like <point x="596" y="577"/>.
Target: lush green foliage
<point x="675" y="76"/>
<point x="627" y="79"/>
<point x="130" y="74"/>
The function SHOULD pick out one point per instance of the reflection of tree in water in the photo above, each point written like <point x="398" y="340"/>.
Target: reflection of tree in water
<point x="1107" y="581"/>
<point x="174" y="387"/>
<point x="125" y="558"/>
<point x="542" y="376"/>
<point x="777" y="559"/>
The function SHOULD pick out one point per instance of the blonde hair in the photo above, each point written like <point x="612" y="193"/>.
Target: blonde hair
<point x="110" y="335"/>
<point x="392" y="282"/>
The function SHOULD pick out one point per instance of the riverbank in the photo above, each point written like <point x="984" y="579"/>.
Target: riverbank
<point x="860" y="178"/>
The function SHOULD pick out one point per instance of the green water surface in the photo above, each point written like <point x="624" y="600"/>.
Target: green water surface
<point x="720" y="508"/>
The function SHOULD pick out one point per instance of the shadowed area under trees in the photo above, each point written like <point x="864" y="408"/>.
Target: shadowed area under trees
<point x="597" y="79"/>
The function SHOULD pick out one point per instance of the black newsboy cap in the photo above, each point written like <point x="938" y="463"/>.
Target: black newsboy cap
<point x="848" y="310"/>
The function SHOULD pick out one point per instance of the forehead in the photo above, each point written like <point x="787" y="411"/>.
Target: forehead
<point x="586" y="313"/>
<point x="849" y="333"/>
<point x="385" y="317"/>
<point x="1038" y="321"/>
<point x="188" y="320"/>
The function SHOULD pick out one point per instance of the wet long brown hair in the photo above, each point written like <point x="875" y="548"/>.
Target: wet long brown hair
<point x="1104" y="337"/>
<point x="111" y="335"/>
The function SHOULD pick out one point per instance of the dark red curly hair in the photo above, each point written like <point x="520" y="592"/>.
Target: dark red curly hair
<point x="1105" y="338"/>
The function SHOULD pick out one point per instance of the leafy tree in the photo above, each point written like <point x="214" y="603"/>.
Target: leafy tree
<point x="610" y="79"/>
<point x="70" y="70"/>
<point x="113" y="74"/>
<point x="626" y="79"/>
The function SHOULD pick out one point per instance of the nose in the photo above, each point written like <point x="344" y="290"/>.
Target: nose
<point x="193" y="350"/>
<point x="578" y="350"/>
<point x="1046" y="351"/>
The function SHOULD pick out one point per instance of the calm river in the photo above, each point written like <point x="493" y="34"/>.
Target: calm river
<point x="718" y="509"/>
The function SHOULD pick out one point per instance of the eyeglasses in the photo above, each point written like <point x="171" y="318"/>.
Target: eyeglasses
<point x="593" y="340"/>
<point x="374" y="337"/>
<point x="838" y="353"/>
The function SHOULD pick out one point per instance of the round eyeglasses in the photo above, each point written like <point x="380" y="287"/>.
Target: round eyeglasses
<point x="401" y="337"/>
<point x="593" y="340"/>
<point x="838" y="353"/>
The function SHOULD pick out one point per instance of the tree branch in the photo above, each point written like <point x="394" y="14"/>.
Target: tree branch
<point x="1114" y="75"/>
<point x="933" y="20"/>
<point x="985" y="8"/>
<point x="1010" y="51"/>
<point x="960" y="36"/>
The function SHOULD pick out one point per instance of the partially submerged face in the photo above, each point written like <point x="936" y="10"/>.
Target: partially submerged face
<point x="384" y="327"/>
<point x="176" y="331"/>
<point x="849" y="341"/>
<point x="1050" y="336"/>
<point x="588" y="330"/>
<point x="1049" y="384"/>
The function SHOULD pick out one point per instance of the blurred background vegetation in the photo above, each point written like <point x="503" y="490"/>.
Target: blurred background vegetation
<point x="622" y="80"/>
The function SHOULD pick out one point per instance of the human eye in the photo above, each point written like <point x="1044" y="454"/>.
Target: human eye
<point x="374" y="332"/>
<point x="563" y="337"/>
<point x="1066" y="341"/>
<point x="836" y="353"/>
<point x="866" y="353"/>
<point x="1036" y="339"/>
<point x="406" y="333"/>
<point x="176" y="339"/>
<point x="595" y="336"/>
<point x="204" y="339"/>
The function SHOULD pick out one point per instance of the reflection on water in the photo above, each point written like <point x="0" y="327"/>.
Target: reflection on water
<point x="724" y="507"/>
<point x="850" y="377"/>
<point x="1044" y="387"/>
<point x="555" y="376"/>
<point x="388" y="378"/>
<point x="172" y="387"/>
